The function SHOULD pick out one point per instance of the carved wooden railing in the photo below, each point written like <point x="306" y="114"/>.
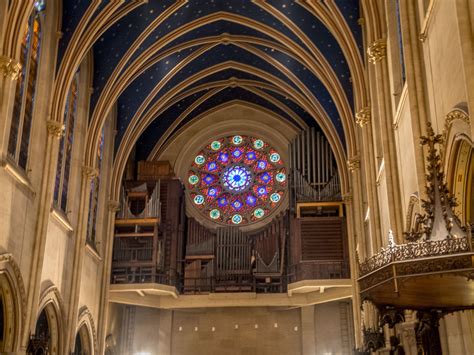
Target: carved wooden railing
<point x="415" y="250"/>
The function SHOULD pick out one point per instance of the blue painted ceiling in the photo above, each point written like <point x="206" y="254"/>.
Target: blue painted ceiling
<point x="116" y="41"/>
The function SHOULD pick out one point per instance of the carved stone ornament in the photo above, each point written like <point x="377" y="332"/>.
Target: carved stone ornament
<point x="452" y="116"/>
<point x="377" y="51"/>
<point x="89" y="171"/>
<point x="55" y="128"/>
<point x="353" y="164"/>
<point x="439" y="221"/>
<point x="363" y="116"/>
<point x="114" y="206"/>
<point x="347" y="198"/>
<point x="10" y="68"/>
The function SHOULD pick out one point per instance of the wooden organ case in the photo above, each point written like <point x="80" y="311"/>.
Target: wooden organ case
<point x="229" y="260"/>
<point x="155" y="243"/>
<point x="318" y="242"/>
<point x="148" y="240"/>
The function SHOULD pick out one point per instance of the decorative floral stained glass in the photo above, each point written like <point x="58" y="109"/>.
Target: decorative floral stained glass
<point x="237" y="180"/>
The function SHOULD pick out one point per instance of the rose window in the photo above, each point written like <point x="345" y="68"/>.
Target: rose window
<point x="237" y="180"/>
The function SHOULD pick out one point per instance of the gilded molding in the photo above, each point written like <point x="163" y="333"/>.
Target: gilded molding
<point x="89" y="172"/>
<point x="113" y="206"/>
<point x="10" y="67"/>
<point x="353" y="164"/>
<point x="363" y="116"/>
<point x="377" y="51"/>
<point x="55" y="128"/>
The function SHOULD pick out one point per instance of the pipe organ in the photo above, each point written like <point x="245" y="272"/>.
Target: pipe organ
<point x="314" y="172"/>
<point x="227" y="259"/>
<point x="155" y="241"/>
<point x="318" y="227"/>
<point x="148" y="233"/>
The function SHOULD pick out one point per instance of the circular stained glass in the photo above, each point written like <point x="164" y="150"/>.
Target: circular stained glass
<point x="237" y="180"/>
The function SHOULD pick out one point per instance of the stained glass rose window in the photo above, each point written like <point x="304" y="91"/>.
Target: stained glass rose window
<point x="237" y="180"/>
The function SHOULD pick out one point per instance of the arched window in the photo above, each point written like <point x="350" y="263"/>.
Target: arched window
<point x="26" y="88"/>
<point x="65" y="148"/>
<point x="94" y="195"/>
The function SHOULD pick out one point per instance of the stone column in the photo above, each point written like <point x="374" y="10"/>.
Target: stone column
<point x="166" y="332"/>
<point x="55" y="130"/>
<point x="308" y="340"/>
<point x="113" y="207"/>
<point x="363" y="119"/>
<point x="88" y="173"/>
<point x="381" y="95"/>
<point x="407" y="333"/>
<point x="354" y="265"/>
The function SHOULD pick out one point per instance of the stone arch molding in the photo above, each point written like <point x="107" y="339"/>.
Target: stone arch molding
<point x="51" y="302"/>
<point x="13" y="293"/>
<point x="86" y="320"/>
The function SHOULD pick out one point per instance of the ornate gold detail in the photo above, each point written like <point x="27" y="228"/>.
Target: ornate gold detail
<point x="10" y="67"/>
<point x="353" y="164"/>
<point x="413" y="251"/>
<point x="377" y="51"/>
<point x="55" y="128"/>
<point x="363" y="116"/>
<point x="114" y="206"/>
<point x="89" y="171"/>
<point x="361" y="21"/>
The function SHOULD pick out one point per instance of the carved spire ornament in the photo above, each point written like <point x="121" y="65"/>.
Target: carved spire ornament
<point x="10" y="67"/>
<point x="377" y="51"/>
<point x="439" y="221"/>
<point x="363" y="116"/>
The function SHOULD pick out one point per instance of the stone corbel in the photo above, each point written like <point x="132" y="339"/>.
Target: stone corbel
<point x="363" y="116"/>
<point x="353" y="164"/>
<point x="55" y="128"/>
<point x="89" y="172"/>
<point x="347" y="198"/>
<point x="10" y="67"/>
<point x="113" y="206"/>
<point x="377" y="51"/>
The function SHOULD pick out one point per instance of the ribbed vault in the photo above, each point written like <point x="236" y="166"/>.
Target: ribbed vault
<point x="164" y="64"/>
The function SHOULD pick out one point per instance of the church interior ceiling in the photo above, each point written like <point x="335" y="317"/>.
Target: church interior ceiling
<point x="166" y="63"/>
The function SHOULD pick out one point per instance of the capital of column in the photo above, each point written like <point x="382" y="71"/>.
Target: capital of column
<point x="113" y="206"/>
<point x="9" y="67"/>
<point x="347" y="198"/>
<point x="377" y="51"/>
<point x="89" y="172"/>
<point x="55" y="128"/>
<point x="363" y="116"/>
<point x="353" y="164"/>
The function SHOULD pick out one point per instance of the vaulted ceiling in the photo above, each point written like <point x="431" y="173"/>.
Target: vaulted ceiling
<point x="165" y="63"/>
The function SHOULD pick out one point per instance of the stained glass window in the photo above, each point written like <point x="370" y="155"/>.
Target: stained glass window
<point x="20" y="130"/>
<point x="237" y="180"/>
<point x="94" y="195"/>
<point x="65" y="148"/>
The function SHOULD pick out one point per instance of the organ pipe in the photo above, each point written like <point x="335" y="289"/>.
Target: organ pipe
<point x="313" y="168"/>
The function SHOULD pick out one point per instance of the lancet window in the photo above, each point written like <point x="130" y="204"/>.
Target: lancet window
<point x="22" y="118"/>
